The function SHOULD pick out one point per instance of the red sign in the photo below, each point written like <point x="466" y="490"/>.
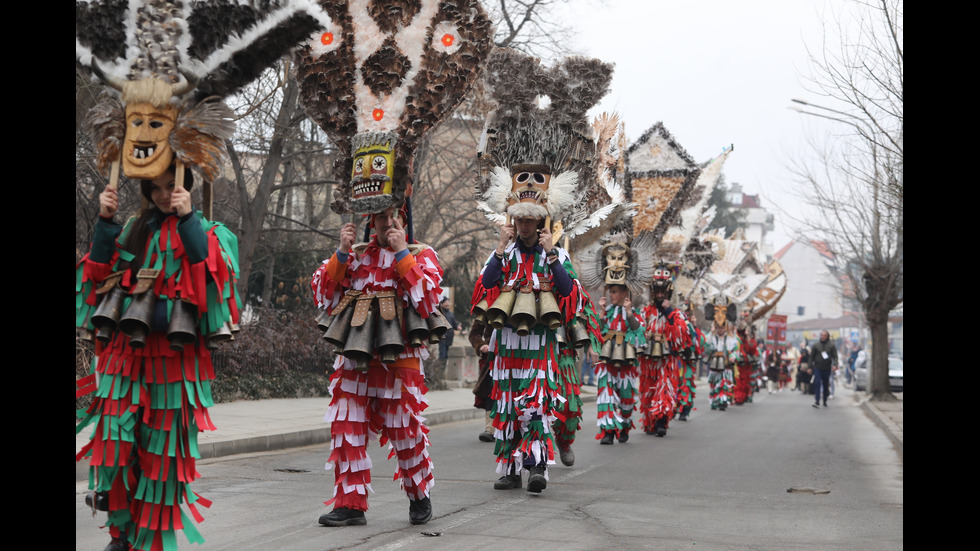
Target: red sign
<point x="776" y="330"/>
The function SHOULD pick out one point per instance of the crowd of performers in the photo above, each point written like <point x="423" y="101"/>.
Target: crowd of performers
<point x="158" y="292"/>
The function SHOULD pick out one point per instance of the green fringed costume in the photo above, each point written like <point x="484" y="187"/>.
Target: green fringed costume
<point x="150" y="402"/>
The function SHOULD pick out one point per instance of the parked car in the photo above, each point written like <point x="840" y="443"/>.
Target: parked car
<point x="896" y="366"/>
<point x="895" y="378"/>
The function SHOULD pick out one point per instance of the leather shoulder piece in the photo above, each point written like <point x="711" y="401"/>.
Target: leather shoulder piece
<point x="416" y="248"/>
<point x="359" y="248"/>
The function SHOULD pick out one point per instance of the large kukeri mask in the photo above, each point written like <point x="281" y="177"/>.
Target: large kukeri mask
<point x="616" y="259"/>
<point x="373" y="172"/>
<point x="146" y="146"/>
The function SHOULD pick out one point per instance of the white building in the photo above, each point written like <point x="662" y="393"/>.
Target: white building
<point x="757" y="222"/>
<point x="814" y="289"/>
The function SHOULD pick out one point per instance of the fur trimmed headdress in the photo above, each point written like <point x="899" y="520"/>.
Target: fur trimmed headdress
<point x="179" y="58"/>
<point x="379" y="78"/>
<point x="536" y="159"/>
<point x="602" y="263"/>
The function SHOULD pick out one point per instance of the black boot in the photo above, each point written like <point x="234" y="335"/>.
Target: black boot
<point x="419" y="510"/>
<point x="566" y="454"/>
<point x="537" y="481"/>
<point x="510" y="481"/>
<point x="118" y="544"/>
<point x="342" y="516"/>
<point x="607" y="437"/>
<point x="624" y="435"/>
<point x="98" y="501"/>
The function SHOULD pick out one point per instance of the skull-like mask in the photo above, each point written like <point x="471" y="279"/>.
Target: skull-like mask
<point x="529" y="183"/>
<point x="617" y="257"/>
<point x="146" y="148"/>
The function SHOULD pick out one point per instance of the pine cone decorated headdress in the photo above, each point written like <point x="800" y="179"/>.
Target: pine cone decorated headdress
<point x="171" y="62"/>
<point x="533" y="157"/>
<point x="379" y="78"/>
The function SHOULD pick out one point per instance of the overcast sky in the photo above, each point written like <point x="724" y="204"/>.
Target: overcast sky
<point x="715" y="73"/>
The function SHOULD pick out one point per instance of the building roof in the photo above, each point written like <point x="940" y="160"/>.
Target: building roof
<point x="847" y="320"/>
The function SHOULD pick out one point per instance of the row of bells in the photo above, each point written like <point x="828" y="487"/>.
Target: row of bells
<point x="135" y="322"/>
<point x="377" y="334"/>
<point x="522" y="310"/>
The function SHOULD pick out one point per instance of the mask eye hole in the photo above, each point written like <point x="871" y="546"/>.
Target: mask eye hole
<point x="156" y="124"/>
<point x="538" y="178"/>
<point x="359" y="166"/>
<point x="379" y="164"/>
<point x="137" y="122"/>
<point x="523" y="177"/>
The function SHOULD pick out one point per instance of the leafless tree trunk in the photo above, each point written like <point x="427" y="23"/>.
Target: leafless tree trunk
<point x="856" y="182"/>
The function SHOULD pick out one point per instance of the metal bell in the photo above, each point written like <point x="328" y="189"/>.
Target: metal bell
<point x="657" y="350"/>
<point x="438" y="326"/>
<point x="106" y="316"/>
<point x="182" y="330"/>
<point x="136" y="322"/>
<point x="416" y="328"/>
<point x="605" y="353"/>
<point x="630" y="352"/>
<point x="340" y="328"/>
<point x="480" y="311"/>
<point x="618" y="355"/>
<point x="220" y="337"/>
<point x="323" y="320"/>
<point x="525" y="313"/>
<point x="360" y="340"/>
<point x="389" y="339"/>
<point x="498" y="314"/>
<point x="549" y="313"/>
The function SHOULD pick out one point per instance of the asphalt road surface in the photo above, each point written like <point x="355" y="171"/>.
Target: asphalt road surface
<point x="718" y="481"/>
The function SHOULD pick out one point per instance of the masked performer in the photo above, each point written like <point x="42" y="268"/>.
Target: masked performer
<point x="377" y="81"/>
<point x="669" y="337"/>
<point x="689" y="360"/>
<point x="165" y="280"/>
<point x="722" y="349"/>
<point x="747" y="367"/>
<point x="528" y="288"/>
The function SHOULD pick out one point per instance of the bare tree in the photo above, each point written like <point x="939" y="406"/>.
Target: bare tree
<point x="855" y="183"/>
<point x="530" y="26"/>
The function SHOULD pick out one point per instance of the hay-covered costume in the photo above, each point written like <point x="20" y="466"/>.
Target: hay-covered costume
<point x="616" y="373"/>
<point x="661" y="375"/>
<point x="526" y="390"/>
<point x="151" y="402"/>
<point x="387" y="398"/>
<point x="168" y="64"/>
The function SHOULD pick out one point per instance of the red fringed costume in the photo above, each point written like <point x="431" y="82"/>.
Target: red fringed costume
<point x="387" y="399"/>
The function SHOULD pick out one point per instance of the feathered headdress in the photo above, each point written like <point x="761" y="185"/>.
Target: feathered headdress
<point x="379" y="78"/>
<point x="170" y="62"/>
<point x="617" y="261"/>
<point x="537" y="151"/>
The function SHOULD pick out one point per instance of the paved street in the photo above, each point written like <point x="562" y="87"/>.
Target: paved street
<point x="719" y="481"/>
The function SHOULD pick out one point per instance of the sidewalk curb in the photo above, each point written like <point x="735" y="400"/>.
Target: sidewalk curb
<point x="299" y="439"/>
<point x="892" y="430"/>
